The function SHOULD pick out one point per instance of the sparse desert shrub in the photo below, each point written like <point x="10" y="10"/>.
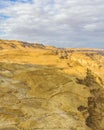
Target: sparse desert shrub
<point x="89" y="80"/>
<point x="82" y="108"/>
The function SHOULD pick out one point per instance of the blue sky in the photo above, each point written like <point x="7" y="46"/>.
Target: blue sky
<point x="62" y="23"/>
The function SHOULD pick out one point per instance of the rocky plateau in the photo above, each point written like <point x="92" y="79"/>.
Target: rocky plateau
<point x="48" y="88"/>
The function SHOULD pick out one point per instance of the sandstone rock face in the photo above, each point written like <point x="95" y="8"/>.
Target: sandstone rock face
<point x="48" y="88"/>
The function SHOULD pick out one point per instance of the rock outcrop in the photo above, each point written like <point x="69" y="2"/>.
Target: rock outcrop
<point x="49" y="88"/>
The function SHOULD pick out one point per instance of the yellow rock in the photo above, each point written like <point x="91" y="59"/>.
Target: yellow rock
<point x="47" y="88"/>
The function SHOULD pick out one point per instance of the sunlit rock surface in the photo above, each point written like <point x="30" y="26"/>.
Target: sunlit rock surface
<point x="50" y="88"/>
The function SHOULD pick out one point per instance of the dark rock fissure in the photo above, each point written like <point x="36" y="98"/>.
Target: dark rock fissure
<point x="95" y="108"/>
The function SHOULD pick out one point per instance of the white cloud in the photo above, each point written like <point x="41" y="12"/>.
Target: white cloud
<point x="57" y="22"/>
<point x="90" y="27"/>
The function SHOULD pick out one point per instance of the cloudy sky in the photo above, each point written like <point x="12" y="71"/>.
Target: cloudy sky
<point x="63" y="23"/>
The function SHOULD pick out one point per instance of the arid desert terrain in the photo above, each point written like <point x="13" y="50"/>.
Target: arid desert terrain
<point x="48" y="88"/>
